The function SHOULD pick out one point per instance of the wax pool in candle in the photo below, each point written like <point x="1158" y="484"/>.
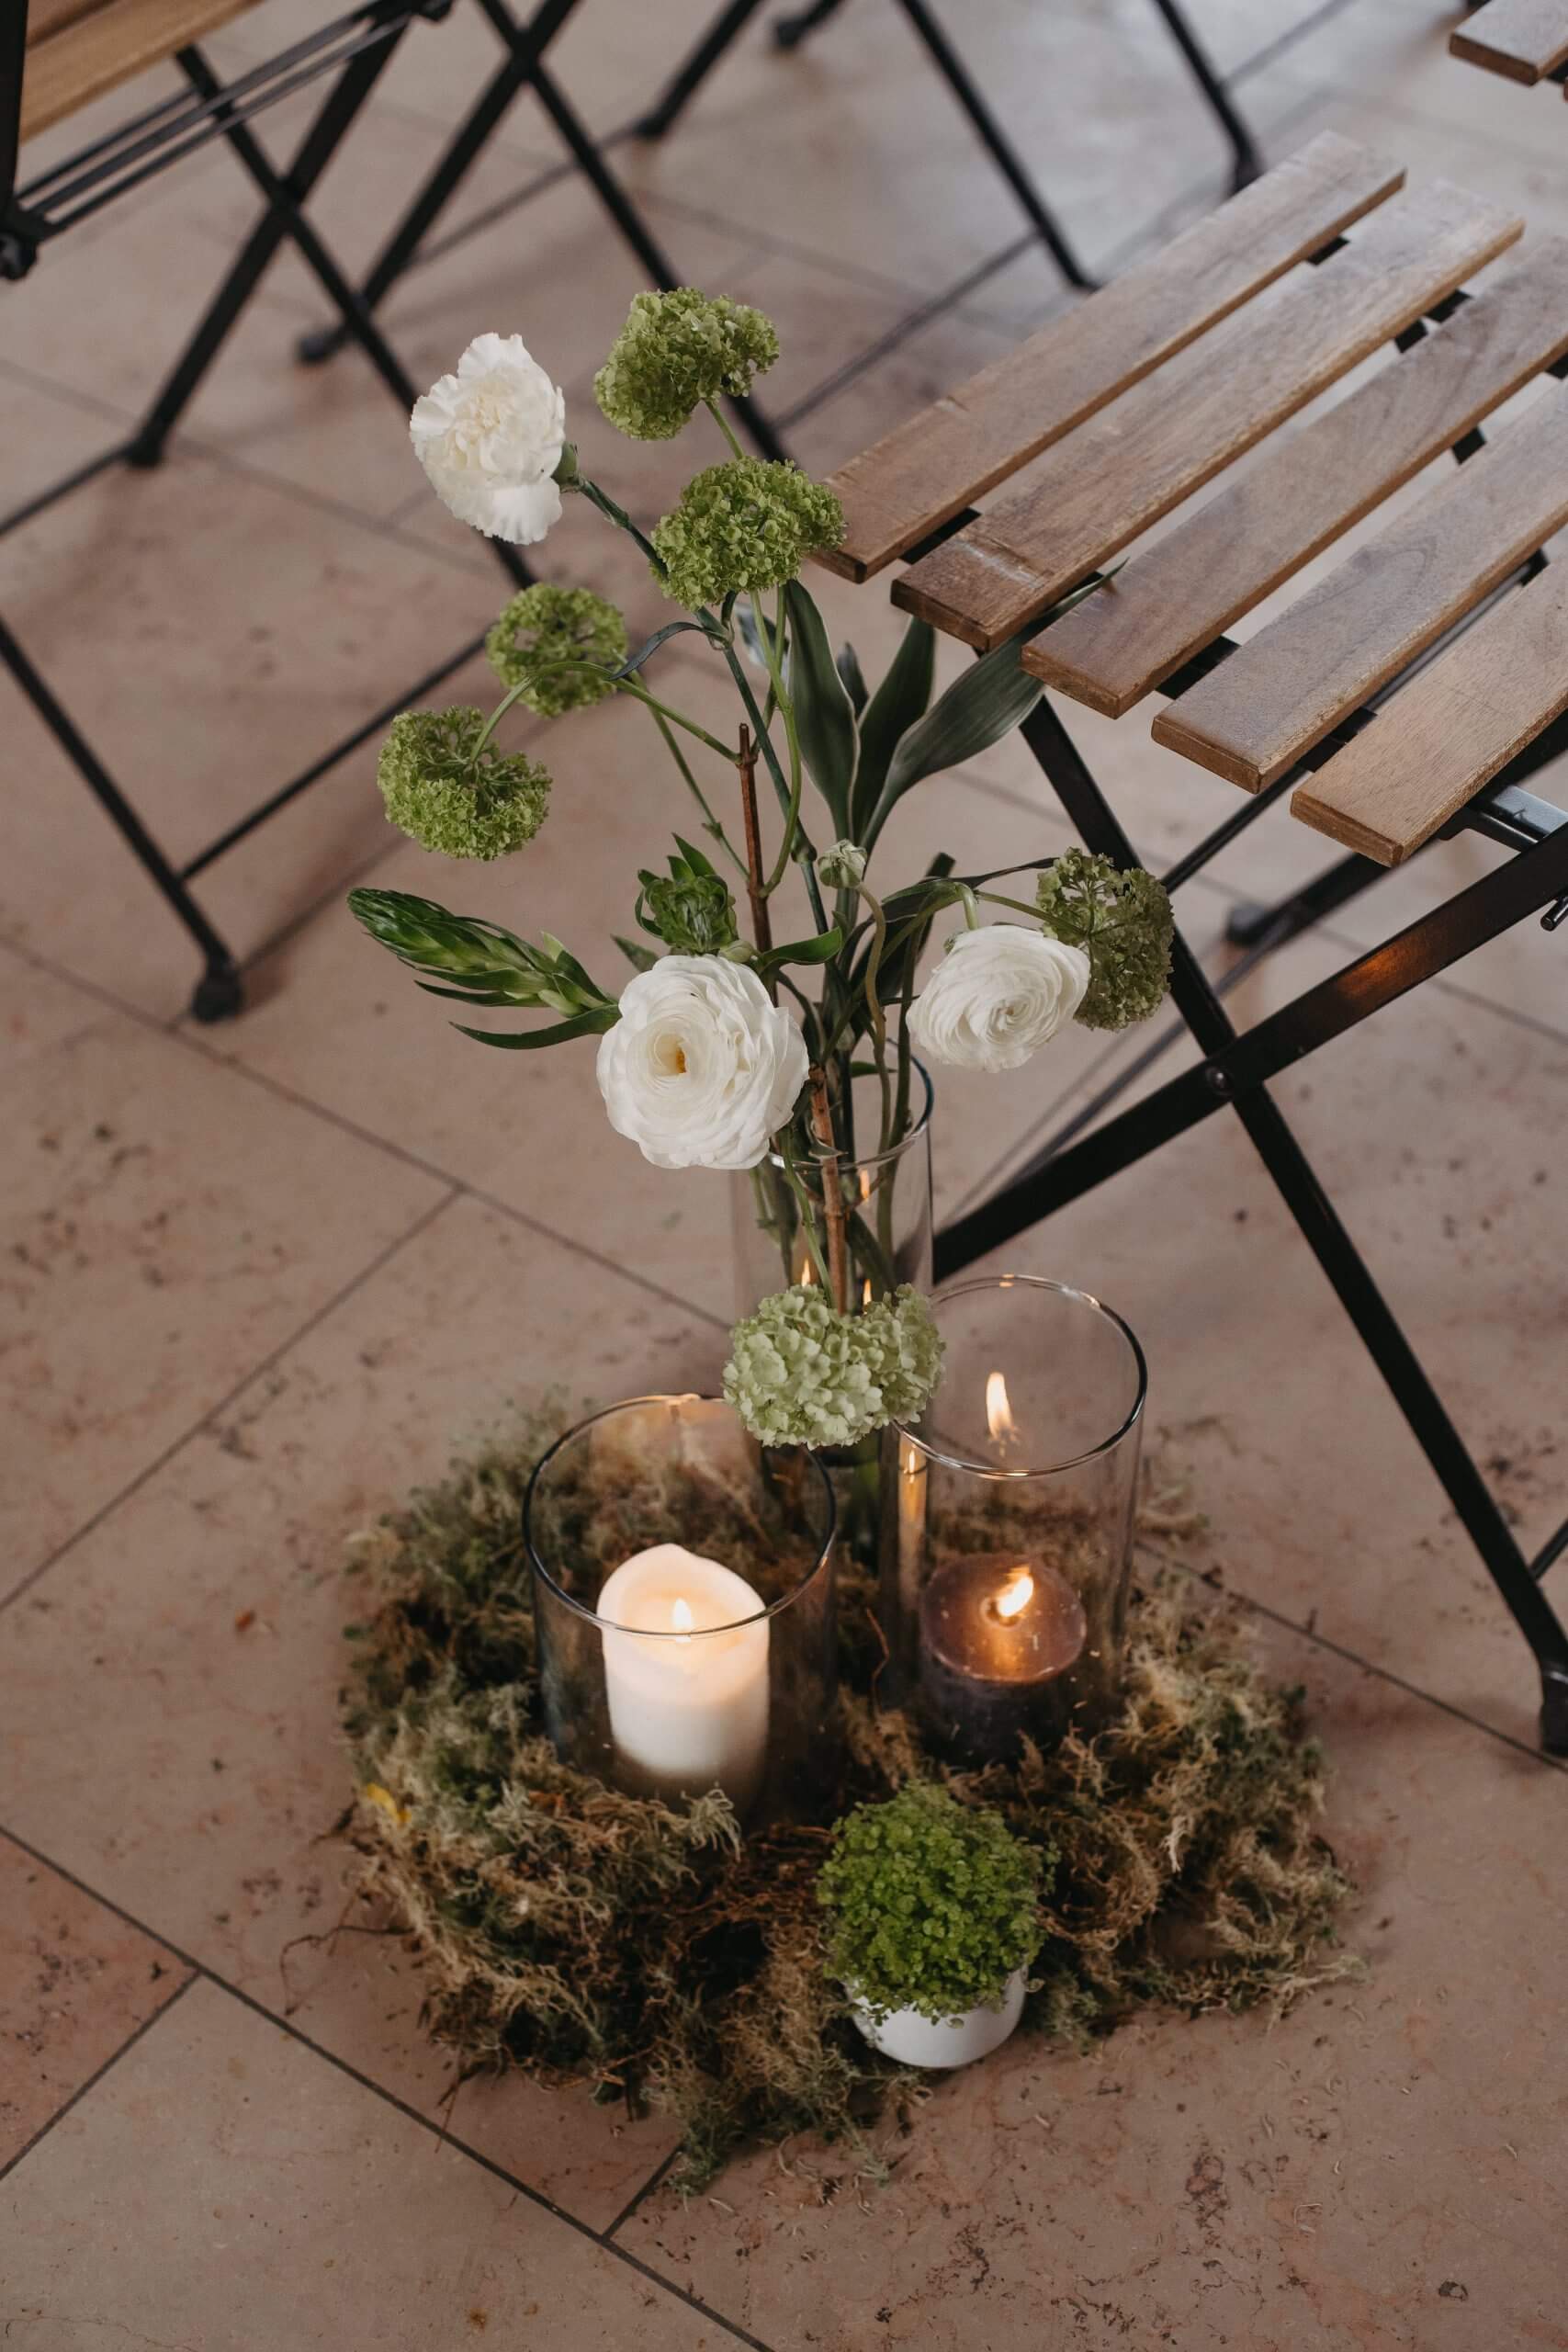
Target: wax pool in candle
<point x="688" y="1703"/>
<point x="1000" y="1637"/>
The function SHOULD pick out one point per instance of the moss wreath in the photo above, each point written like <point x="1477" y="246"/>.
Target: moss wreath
<point x="664" y="1958"/>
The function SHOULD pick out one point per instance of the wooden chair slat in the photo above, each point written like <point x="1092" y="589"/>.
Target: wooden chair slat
<point x="1118" y="473"/>
<point x="83" y="55"/>
<point x="931" y="467"/>
<point x="1282" y="692"/>
<point x="1304" y="491"/>
<point x="1450" y="731"/>
<point x="1523" y="38"/>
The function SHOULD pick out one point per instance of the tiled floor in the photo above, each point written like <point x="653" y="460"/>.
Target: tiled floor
<point x="260" y="1278"/>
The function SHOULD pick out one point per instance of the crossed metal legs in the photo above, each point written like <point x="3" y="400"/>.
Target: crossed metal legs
<point x="1234" y="1075"/>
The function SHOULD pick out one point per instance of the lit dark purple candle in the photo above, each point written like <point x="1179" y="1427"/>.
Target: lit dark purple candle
<point x="999" y="1639"/>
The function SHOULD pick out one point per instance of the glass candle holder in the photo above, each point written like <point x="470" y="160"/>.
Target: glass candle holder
<point x="1005" y="1564"/>
<point x="683" y="1606"/>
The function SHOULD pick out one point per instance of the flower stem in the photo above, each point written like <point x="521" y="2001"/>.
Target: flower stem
<point x="773" y="646"/>
<point x="832" y="1196"/>
<point x="807" y="1207"/>
<point x="710" y="823"/>
<point x="761" y="923"/>
<point x="997" y="898"/>
<point x="723" y="423"/>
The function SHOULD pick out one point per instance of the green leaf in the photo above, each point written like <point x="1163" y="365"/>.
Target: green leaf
<point x="898" y="702"/>
<point x="696" y="860"/>
<point x="526" y="1041"/>
<point x="853" y="676"/>
<point x="634" y="661"/>
<point x="820" y="948"/>
<point x="824" y="715"/>
<point x="642" y="959"/>
<point x="978" y="708"/>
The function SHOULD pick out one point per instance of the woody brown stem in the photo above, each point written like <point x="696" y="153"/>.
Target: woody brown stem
<point x="832" y="1196"/>
<point x="762" y="927"/>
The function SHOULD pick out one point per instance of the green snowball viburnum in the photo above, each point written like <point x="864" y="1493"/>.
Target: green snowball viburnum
<point x="930" y="1905"/>
<point x="446" y="798"/>
<point x="801" y="1374"/>
<point x="747" y="523"/>
<point x="545" y="625"/>
<point x="675" y="350"/>
<point x="1121" y="919"/>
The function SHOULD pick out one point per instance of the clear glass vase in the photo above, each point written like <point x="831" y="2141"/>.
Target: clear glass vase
<point x="684" y="1607"/>
<point x="1006" y="1557"/>
<point x="778" y="1213"/>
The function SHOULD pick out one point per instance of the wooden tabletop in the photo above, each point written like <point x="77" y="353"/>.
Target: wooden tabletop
<point x="1525" y="40"/>
<point x="78" y="50"/>
<point x="1121" y="409"/>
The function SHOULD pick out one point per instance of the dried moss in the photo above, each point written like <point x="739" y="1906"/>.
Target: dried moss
<point x="656" y="1953"/>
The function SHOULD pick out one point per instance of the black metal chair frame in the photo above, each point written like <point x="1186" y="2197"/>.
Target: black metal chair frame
<point x="1236" y="1066"/>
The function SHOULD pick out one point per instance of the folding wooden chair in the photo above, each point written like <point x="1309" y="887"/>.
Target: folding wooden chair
<point x="1124" y="408"/>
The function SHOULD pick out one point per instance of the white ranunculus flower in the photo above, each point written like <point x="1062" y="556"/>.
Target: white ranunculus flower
<point x="701" y="1068"/>
<point x="996" y="997"/>
<point x="490" y="438"/>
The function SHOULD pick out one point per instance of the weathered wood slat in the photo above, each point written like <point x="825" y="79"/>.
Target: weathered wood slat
<point x="931" y="468"/>
<point x="1283" y="690"/>
<point x="84" y="54"/>
<point x="1304" y="491"/>
<point x="1523" y="38"/>
<point x="1450" y="731"/>
<point x="1108" y="481"/>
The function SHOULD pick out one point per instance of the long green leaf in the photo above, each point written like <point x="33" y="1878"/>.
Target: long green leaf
<point x="527" y="1041"/>
<point x="847" y="663"/>
<point x="977" y="709"/>
<point x="898" y="702"/>
<point x="820" y="948"/>
<point x="824" y="715"/>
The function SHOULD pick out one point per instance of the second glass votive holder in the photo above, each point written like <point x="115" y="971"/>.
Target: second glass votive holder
<point x="1006" y="1562"/>
<point x="683" y="1606"/>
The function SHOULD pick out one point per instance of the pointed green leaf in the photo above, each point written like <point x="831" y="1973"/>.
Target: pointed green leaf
<point x="527" y="1041"/>
<point x="977" y="709"/>
<point x="820" y="948"/>
<point x="642" y="958"/>
<point x="853" y="676"/>
<point x="898" y="702"/>
<point x="824" y="715"/>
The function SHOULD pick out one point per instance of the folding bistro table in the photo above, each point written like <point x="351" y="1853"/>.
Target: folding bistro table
<point x="1370" y="704"/>
<point x="1526" y="39"/>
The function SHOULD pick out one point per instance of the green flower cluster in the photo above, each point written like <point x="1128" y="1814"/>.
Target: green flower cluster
<point x="747" y="523"/>
<point x="545" y="627"/>
<point x="450" y="798"/>
<point x="675" y="350"/>
<point x="1123" y="923"/>
<point x="930" y="1907"/>
<point x="801" y="1374"/>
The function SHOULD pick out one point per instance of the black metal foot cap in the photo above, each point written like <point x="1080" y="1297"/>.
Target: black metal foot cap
<point x="1554" y="1710"/>
<point x="321" y="344"/>
<point x="219" y="995"/>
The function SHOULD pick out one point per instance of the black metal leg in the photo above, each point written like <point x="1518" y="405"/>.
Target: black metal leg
<point x="1500" y="897"/>
<point x="956" y="75"/>
<point x="689" y="78"/>
<point x="1335" y="887"/>
<point x="1248" y="162"/>
<point x="790" y="31"/>
<point x="219" y="993"/>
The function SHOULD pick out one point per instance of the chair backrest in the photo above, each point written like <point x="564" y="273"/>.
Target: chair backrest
<point x="77" y="50"/>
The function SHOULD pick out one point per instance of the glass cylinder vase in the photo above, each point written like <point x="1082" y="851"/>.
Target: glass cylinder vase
<point x="683" y="1606"/>
<point x="1007" y="1559"/>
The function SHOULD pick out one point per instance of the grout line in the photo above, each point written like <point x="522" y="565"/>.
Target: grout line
<point x="205" y="1418"/>
<point x="437" y="2130"/>
<point x="648" y="2186"/>
<point x="95" y="2078"/>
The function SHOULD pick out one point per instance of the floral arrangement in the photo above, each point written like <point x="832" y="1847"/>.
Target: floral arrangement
<point x="727" y="1047"/>
<point x="932" y="1906"/>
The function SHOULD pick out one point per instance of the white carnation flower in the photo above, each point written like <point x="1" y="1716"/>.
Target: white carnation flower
<point x="996" y="997"/>
<point x="490" y="438"/>
<point x="701" y="1068"/>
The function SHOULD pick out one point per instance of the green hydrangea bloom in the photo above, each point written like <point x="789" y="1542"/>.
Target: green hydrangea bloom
<point x="675" y="350"/>
<point x="801" y="1374"/>
<point x="544" y="624"/>
<point x="931" y="1905"/>
<point x="747" y="523"/>
<point x="1123" y="923"/>
<point x="443" y="797"/>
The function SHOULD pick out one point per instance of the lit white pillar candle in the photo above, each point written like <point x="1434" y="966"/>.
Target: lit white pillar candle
<point x="686" y="1681"/>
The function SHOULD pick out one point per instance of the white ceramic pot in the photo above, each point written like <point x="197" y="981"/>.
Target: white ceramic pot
<point x="917" y="2040"/>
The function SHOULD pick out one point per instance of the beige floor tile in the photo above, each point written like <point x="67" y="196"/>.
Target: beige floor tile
<point x="167" y="1225"/>
<point x="75" y="1984"/>
<point x="210" y="636"/>
<point x="203" y="1770"/>
<point x="1376" y="2172"/>
<point x="224" y="2183"/>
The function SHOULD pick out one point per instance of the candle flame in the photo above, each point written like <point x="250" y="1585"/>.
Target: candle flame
<point x="865" y="1184"/>
<point x="807" y="1274"/>
<point x="1014" y="1597"/>
<point x="999" y="1412"/>
<point x="680" y="1617"/>
<point x="866" y="1292"/>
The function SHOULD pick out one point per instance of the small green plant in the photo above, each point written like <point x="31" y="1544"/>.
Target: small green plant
<point x="930" y="1907"/>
